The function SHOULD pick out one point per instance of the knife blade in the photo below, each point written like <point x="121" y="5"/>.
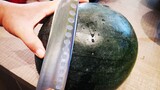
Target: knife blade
<point x="56" y="62"/>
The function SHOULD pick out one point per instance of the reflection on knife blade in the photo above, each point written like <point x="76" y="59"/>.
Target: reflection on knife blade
<point x="59" y="49"/>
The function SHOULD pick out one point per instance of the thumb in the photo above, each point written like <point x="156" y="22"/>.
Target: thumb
<point x="33" y="43"/>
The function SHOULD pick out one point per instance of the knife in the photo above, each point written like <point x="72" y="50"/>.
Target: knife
<point x="56" y="62"/>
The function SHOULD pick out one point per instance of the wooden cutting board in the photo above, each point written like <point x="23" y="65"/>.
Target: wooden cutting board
<point x="17" y="59"/>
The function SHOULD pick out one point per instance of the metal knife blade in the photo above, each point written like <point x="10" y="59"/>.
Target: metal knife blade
<point x="59" y="48"/>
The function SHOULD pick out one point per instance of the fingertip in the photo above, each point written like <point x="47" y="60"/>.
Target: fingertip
<point x="33" y="43"/>
<point x="83" y="1"/>
<point x="40" y="53"/>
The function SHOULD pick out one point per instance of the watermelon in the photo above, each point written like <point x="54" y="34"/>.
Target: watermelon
<point x="153" y="4"/>
<point x="105" y="49"/>
<point x="93" y="0"/>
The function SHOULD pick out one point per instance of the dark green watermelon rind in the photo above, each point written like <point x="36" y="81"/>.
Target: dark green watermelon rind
<point x="103" y="70"/>
<point x="43" y="36"/>
<point x="109" y="66"/>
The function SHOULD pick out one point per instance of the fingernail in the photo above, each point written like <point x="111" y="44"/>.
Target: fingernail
<point x="40" y="53"/>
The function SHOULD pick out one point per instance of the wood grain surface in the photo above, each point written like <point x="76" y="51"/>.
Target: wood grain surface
<point x="19" y="60"/>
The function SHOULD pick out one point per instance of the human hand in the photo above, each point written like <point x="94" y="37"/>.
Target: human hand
<point x="20" y="20"/>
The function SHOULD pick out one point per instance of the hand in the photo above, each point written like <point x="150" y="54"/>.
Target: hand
<point x="20" y="20"/>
